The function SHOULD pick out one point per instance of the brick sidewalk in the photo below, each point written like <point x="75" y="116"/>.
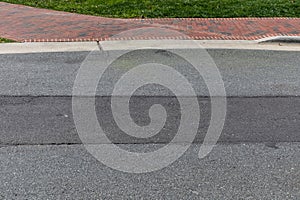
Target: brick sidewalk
<point x="27" y="24"/>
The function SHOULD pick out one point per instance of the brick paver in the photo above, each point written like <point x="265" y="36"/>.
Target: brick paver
<point x="23" y="23"/>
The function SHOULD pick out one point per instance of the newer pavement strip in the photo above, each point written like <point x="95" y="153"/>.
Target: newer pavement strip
<point x="257" y="156"/>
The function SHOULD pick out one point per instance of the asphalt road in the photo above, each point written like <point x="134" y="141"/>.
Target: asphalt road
<point x="250" y="171"/>
<point x="257" y="157"/>
<point x="244" y="72"/>
<point x="49" y="120"/>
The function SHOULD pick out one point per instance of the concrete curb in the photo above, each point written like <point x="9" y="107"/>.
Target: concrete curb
<point x="281" y="39"/>
<point x="20" y="48"/>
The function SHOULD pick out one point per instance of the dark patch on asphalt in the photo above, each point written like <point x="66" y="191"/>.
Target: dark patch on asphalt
<point x="272" y="145"/>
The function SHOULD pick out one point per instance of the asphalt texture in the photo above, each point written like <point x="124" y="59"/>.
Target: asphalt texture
<point x="244" y="72"/>
<point x="251" y="171"/>
<point x="49" y="120"/>
<point x="257" y="155"/>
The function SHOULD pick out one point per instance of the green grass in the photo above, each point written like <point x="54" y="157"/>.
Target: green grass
<point x="3" y="40"/>
<point x="172" y="8"/>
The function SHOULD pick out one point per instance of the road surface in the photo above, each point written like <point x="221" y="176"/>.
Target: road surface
<point x="257" y="155"/>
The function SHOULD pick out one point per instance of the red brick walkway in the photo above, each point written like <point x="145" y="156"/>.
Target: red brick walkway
<point x="24" y="23"/>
